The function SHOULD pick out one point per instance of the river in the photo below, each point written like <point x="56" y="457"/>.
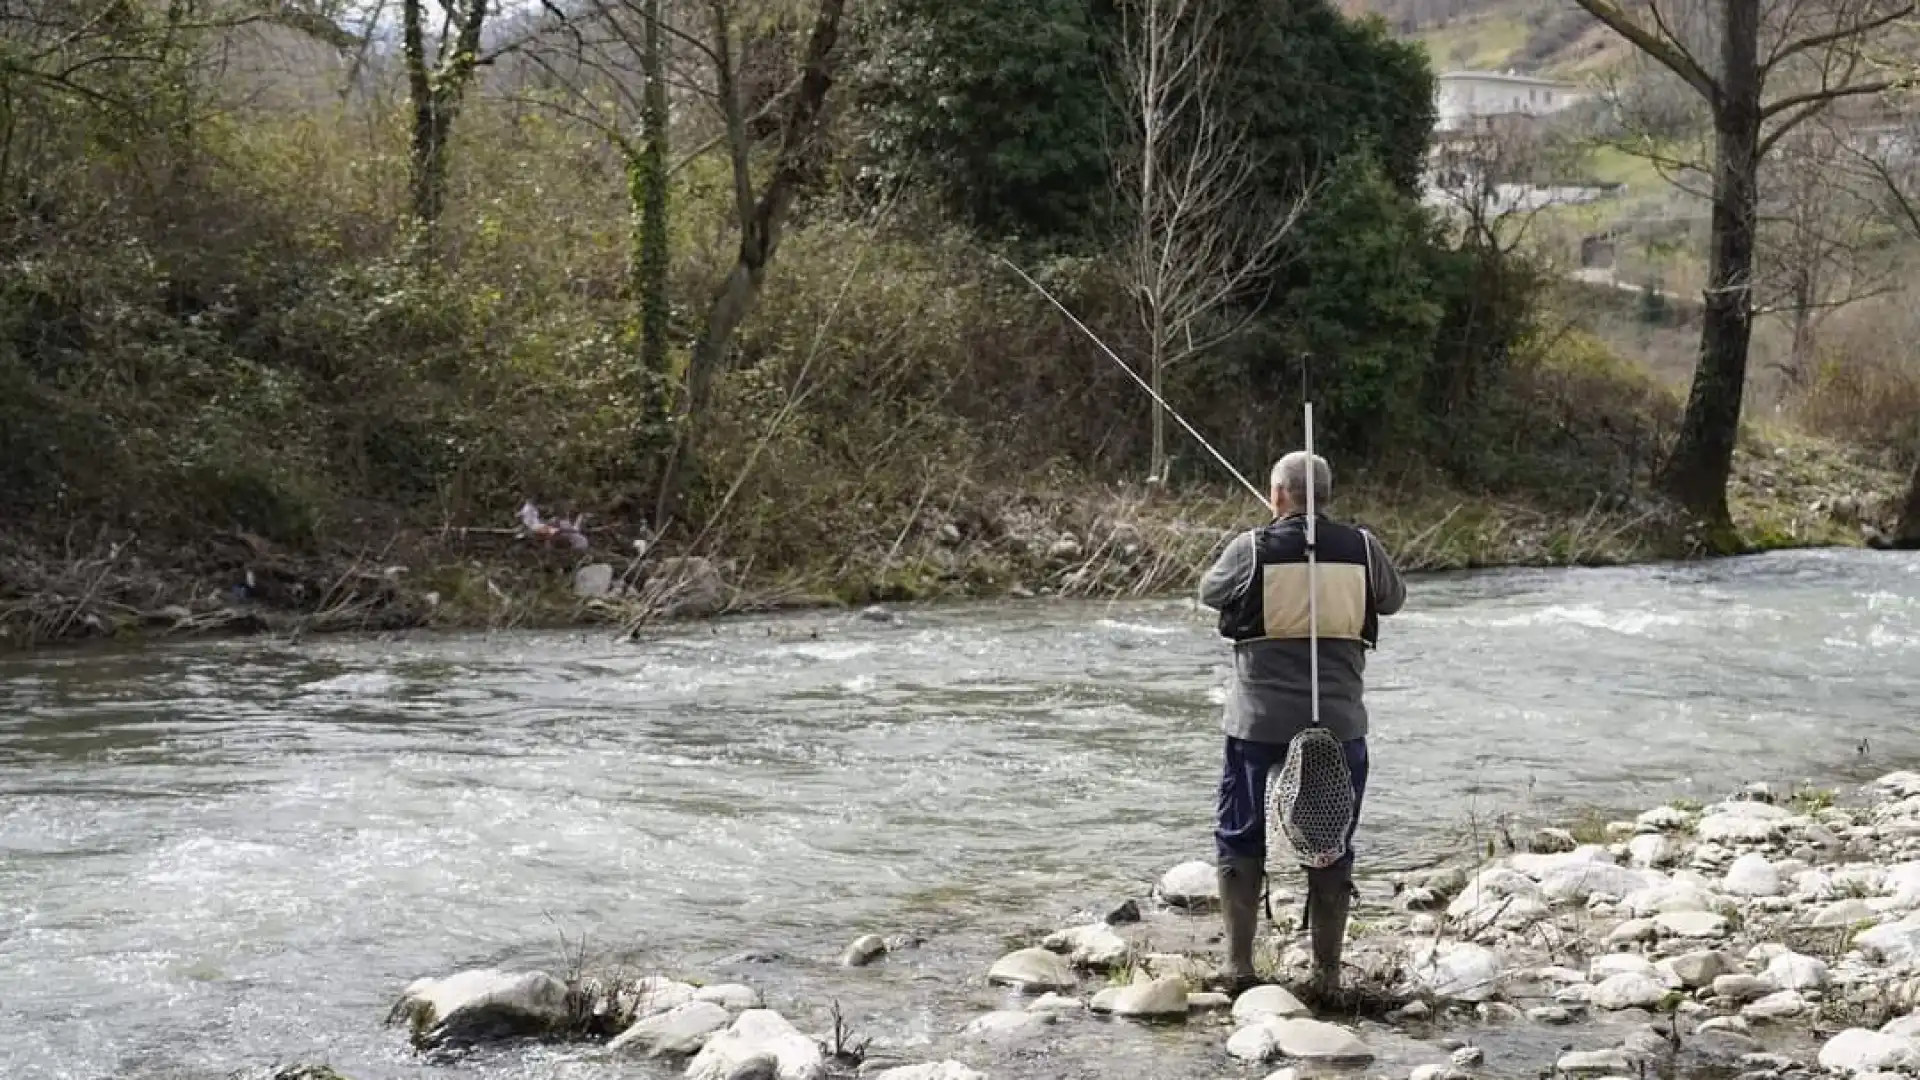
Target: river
<point x="215" y="855"/>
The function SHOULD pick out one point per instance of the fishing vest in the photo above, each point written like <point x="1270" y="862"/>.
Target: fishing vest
<point x="1274" y="608"/>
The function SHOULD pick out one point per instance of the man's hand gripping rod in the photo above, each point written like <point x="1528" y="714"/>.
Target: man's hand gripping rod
<point x="1144" y="385"/>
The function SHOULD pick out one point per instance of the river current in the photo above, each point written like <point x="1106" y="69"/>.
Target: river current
<point x="217" y="855"/>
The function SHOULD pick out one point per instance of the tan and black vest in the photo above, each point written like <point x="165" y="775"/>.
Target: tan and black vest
<point x="1274" y="607"/>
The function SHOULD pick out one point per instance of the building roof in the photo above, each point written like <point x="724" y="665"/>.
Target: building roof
<point x="1505" y="77"/>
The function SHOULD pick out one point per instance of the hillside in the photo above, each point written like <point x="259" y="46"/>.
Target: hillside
<point x="1548" y="37"/>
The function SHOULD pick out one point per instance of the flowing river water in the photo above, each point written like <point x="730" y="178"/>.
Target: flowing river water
<point x="218" y="855"/>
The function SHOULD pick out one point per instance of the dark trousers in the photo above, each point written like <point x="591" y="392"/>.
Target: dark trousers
<point x="1240" y="829"/>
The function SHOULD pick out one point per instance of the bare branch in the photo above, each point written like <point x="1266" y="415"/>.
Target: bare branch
<point x="1660" y="44"/>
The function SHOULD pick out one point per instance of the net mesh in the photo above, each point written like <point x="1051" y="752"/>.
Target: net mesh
<point x="1310" y="800"/>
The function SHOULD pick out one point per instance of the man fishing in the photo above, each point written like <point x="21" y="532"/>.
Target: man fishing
<point x="1259" y="585"/>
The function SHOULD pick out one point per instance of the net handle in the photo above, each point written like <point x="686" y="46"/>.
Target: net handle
<point x="1313" y="578"/>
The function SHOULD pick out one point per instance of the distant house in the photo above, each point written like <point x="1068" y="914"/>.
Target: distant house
<point x="1466" y="100"/>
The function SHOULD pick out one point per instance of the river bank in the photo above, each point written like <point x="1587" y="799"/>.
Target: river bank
<point x="963" y="545"/>
<point x="1770" y="934"/>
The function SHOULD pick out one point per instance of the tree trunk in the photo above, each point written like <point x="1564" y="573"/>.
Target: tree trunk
<point x="1697" y="473"/>
<point x="760" y="224"/>
<point x="1157" y="473"/>
<point x="435" y="89"/>
<point x="1906" y="535"/>
<point x="647" y="178"/>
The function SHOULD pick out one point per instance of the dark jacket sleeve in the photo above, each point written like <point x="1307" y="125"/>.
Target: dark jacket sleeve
<point x="1389" y="591"/>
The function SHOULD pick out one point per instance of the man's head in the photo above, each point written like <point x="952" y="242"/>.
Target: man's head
<point x="1289" y="490"/>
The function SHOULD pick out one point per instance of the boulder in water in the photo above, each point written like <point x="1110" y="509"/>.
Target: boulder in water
<point x="1595" y="1063"/>
<point x="482" y="1005"/>
<point x="731" y="996"/>
<point x="1699" y="969"/>
<point x="1782" y="1005"/>
<point x="1858" y="1050"/>
<point x="1032" y="970"/>
<point x="1194" y="884"/>
<point x="1793" y="971"/>
<point x="683" y="1029"/>
<point x="1458" y="970"/>
<point x="943" y="1070"/>
<point x="1155" y="997"/>
<point x="1692" y="924"/>
<point x="863" y="951"/>
<point x="1752" y="875"/>
<point x="1094" y="946"/>
<point x="1268" y="1003"/>
<point x="1742" y="988"/>
<point x="1055" y="1003"/>
<point x="1629" y="991"/>
<point x="1009" y="1024"/>
<point x="758" y="1034"/>
<point x="1301" y="1039"/>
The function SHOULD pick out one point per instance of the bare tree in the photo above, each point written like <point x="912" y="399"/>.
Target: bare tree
<point x="1816" y="250"/>
<point x="761" y="207"/>
<point x="1780" y="64"/>
<point x="1204" y="235"/>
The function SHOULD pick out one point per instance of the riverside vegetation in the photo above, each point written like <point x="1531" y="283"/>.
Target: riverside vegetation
<point x="292" y="323"/>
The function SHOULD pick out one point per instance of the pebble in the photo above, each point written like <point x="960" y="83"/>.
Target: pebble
<point x="1550" y="1014"/>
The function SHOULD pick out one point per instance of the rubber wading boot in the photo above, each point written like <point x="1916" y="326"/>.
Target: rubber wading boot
<point x="1240" y="880"/>
<point x="1329" y="898"/>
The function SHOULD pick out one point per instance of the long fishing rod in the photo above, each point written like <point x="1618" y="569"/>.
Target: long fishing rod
<point x="1135" y="376"/>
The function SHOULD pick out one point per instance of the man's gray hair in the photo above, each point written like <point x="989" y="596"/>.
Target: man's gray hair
<point x="1290" y="476"/>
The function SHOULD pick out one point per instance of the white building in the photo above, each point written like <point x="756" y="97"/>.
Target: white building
<point x="1466" y="98"/>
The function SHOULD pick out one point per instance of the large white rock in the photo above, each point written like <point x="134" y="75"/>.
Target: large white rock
<point x="1267" y="1003"/>
<point x="482" y="1001"/>
<point x="1490" y="885"/>
<point x="1580" y="882"/>
<point x="653" y="995"/>
<point x="1607" y="965"/>
<point x="1725" y="828"/>
<point x="1741" y="987"/>
<point x="755" y="1033"/>
<point x="732" y="996"/>
<point x="1857" y="1050"/>
<point x="1595" y="1063"/>
<point x="1629" y="991"/>
<point x="683" y="1029"/>
<point x="1907" y="1027"/>
<point x="1782" y="1005"/>
<point x="1541" y="867"/>
<point x="1673" y="896"/>
<point x="1691" y="924"/>
<point x="1792" y="971"/>
<point x="1194" y="884"/>
<point x="1094" y="946"/>
<point x="1651" y="850"/>
<point x="1156" y="997"/>
<point x="1664" y="819"/>
<point x="1902" y="784"/>
<point x="942" y="1070"/>
<point x="1895" y="944"/>
<point x="1300" y="1039"/>
<point x="1032" y="970"/>
<point x="1007" y="1024"/>
<point x="1845" y="913"/>
<point x="1752" y="875"/>
<point x="1458" y="970"/>
<point x="1314" y="1040"/>
<point x="1698" y="969"/>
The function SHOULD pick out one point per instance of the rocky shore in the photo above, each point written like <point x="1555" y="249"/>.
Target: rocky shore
<point x="1768" y="936"/>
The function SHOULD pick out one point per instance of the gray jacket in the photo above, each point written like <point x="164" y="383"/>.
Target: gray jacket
<point x="1269" y="698"/>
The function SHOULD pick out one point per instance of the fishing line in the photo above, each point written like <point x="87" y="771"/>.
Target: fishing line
<point x="1144" y="385"/>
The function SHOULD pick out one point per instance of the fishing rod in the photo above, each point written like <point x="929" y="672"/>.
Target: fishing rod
<point x="1144" y="385"/>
